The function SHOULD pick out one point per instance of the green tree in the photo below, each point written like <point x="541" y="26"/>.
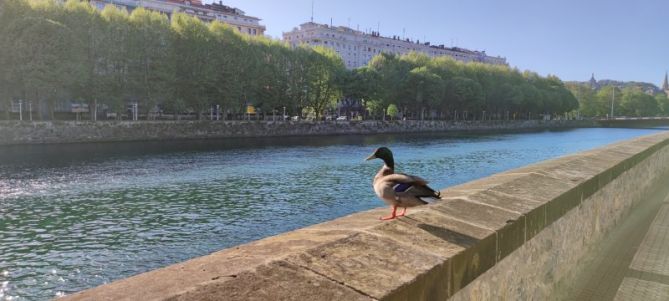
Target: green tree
<point x="324" y="72"/>
<point x="195" y="75"/>
<point x="392" y="111"/>
<point x="114" y="59"/>
<point x="152" y="69"/>
<point x="43" y="60"/>
<point x="662" y="103"/>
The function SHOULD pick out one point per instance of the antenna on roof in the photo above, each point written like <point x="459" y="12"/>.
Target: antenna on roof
<point x="330" y="21"/>
<point x="312" y="11"/>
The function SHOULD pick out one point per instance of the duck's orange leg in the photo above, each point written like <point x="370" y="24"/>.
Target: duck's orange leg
<point x="404" y="210"/>
<point x="392" y="215"/>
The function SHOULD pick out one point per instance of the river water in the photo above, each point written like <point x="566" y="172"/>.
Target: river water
<point x="77" y="216"/>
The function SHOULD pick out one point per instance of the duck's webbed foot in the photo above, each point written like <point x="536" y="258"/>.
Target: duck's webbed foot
<point x="392" y="215"/>
<point x="404" y="210"/>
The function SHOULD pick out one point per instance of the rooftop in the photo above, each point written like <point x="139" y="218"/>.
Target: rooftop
<point x="377" y="35"/>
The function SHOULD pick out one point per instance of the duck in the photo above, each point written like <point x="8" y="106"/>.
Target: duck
<point x="397" y="189"/>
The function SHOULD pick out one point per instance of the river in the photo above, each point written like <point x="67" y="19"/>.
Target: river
<point x="80" y="215"/>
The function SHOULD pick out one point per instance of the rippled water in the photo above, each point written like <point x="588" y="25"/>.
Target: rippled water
<point x="77" y="216"/>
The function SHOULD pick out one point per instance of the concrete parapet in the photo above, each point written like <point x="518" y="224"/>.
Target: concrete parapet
<point x="510" y="236"/>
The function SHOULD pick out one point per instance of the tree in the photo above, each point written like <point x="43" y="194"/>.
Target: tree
<point x="89" y="27"/>
<point x="392" y="111"/>
<point x="634" y="102"/>
<point x="44" y="61"/>
<point x="465" y="94"/>
<point x="604" y="100"/>
<point x="324" y="72"/>
<point x="423" y="89"/>
<point x="586" y="99"/>
<point x="114" y="59"/>
<point x="662" y="103"/>
<point x="195" y="75"/>
<point x="152" y="69"/>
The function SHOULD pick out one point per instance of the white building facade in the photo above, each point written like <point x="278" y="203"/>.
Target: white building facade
<point x="232" y="16"/>
<point x="357" y="48"/>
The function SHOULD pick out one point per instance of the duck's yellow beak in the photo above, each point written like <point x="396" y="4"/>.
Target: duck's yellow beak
<point x="370" y="157"/>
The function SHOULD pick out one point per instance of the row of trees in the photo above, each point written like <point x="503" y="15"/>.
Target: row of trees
<point x="416" y="86"/>
<point x="629" y="101"/>
<point x="54" y="52"/>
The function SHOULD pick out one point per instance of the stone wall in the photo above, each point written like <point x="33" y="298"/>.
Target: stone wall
<point x="103" y="131"/>
<point x="510" y="236"/>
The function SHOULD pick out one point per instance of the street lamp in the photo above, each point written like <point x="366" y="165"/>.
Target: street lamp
<point x="284" y="114"/>
<point x="612" y="100"/>
<point x="20" y="110"/>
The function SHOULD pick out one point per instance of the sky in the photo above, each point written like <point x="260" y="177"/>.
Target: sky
<point x="621" y="40"/>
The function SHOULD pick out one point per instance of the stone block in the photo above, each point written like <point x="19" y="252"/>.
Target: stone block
<point x="375" y="265"/>
<point x="275" y="281"/>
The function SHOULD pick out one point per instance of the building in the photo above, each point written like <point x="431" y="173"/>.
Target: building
<point x="593" y="82"/>
<point x="207" y="12"/>
<point x="357" y="48"/>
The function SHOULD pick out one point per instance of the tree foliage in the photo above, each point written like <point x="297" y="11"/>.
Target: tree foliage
<point x="57" y="54"/>
<point x="630" y="101"/>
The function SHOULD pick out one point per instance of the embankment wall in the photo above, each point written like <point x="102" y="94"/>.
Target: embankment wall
<point x="510" y="236"/>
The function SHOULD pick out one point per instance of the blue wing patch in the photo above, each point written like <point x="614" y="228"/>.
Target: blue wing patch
<point x="401" y="187"/>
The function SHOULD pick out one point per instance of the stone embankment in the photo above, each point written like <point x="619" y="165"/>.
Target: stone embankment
<point x="510" y="236"/>
<point x="106" y="131"/>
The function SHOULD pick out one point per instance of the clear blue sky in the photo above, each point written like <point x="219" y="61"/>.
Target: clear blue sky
<point x="622" y="40"/>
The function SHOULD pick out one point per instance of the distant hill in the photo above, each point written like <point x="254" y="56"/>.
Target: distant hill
<point x="646" y="87"/>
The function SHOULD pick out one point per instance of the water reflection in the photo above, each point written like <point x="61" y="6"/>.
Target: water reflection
<point x="76" y="216"/>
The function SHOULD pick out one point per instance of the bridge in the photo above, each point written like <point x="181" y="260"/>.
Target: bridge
<point x="589" y="226"/>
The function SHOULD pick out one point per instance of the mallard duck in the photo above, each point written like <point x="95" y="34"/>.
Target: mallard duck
<point x="396" y="189"/>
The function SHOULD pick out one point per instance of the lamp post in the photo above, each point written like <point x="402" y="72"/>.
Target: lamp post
<point x="284" y="114"/>
<point x="20" y="110"/>
<point x="612" y="100"/>
<point x="30" y="109"/>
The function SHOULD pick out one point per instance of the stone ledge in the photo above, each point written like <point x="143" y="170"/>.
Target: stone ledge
<point x="431" y="253"/>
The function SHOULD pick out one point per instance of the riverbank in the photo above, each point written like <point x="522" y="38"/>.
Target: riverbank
<point x="45" y="132"/>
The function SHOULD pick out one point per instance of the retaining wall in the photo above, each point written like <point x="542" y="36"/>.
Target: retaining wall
<point x="510" y="236"/>
<point x="104" y="131"/>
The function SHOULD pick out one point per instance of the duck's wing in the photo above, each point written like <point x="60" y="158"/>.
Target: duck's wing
<point x="404" y="178"/>
<point x="408" y="185"/>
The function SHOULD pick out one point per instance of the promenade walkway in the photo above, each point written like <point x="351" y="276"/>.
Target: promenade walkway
<point x="633" y="261"/>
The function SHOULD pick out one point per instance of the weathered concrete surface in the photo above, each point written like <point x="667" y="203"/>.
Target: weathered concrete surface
<point x="630" y="262"/>
<point x="103" y="131"/>
<point x="509" y="236"/>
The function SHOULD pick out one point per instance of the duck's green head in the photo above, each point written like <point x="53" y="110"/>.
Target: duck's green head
<point x="384" y="154"/>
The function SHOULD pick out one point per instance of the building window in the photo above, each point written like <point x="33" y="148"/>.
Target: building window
<point x="254" y="31"/>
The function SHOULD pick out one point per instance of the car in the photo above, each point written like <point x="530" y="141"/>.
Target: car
<point x="342" y="118"/>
